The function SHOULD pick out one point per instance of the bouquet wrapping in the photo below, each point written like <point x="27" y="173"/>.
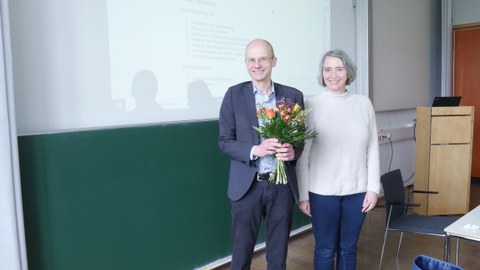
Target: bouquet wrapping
<point x="285" y="122"/>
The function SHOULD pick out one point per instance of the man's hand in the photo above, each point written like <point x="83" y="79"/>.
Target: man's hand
<point x="285" y="152"/>
<point x="266" y="148"/>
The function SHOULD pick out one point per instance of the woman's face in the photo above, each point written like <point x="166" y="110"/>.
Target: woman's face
<point x="334" y="74"/>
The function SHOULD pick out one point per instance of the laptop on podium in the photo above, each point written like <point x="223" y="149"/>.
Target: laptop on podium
<point x="446" y="101"/>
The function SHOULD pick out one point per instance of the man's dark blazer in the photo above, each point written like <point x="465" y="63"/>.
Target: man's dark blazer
<point x="237" y="136"/>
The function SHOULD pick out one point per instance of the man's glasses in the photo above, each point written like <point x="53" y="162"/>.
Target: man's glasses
<point x="261" y="60"/>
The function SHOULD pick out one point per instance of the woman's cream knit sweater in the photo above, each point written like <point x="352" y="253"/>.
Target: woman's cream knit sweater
<point x="344" y="158"/>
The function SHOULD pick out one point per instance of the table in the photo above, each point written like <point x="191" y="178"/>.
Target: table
<point x="466" y="227"/>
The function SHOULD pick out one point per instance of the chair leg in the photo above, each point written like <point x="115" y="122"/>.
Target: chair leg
<point x="399" y="244"/>
<point x="383" y="248"/>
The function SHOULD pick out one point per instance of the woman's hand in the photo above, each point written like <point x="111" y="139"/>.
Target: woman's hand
<point x="305" y="207"/>
<point x="370" y="201"/>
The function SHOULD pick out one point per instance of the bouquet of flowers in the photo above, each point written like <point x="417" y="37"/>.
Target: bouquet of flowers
<point x="286" y="122"/>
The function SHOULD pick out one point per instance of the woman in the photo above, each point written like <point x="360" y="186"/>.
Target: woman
<point x="339" y="179"/>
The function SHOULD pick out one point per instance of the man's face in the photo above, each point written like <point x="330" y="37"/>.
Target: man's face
<point x="260" y="61"/>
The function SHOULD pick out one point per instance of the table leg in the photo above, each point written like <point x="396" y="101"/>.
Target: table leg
<point x="456" y="251"/>
<point x="446" y="254"/>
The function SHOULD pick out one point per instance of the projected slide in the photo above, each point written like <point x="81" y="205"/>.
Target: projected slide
<point x="181" y="56"/>
<point x="102" y="63"/>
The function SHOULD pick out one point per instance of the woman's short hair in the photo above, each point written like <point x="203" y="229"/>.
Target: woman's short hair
<point x="347" y="63"/>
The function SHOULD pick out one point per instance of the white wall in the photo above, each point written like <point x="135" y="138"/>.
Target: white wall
<point x="400" y="153"/>
<point x="405" y="74"/>
<point x="11" y="220"/>
<point x="397" y="122"/>
<point x="343" y="27"/>
<point x="465" y="11"/>
<point x="400" y="54"/>
<point x="12" y="244"/>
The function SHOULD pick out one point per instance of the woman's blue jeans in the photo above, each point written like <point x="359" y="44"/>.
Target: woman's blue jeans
<point x="337" y="222"/>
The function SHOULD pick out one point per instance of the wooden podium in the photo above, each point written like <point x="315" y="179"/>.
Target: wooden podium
<point x="443" y="156"/>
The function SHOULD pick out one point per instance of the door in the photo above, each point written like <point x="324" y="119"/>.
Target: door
<point x="466" y="80"/>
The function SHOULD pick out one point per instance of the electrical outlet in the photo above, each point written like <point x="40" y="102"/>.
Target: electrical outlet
<point x="382" y="136"/>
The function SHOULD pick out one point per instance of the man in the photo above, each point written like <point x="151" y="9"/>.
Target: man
<point x="252" y="196"/>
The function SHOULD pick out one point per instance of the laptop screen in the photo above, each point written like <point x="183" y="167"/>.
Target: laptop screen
<point x="446" y="101"/>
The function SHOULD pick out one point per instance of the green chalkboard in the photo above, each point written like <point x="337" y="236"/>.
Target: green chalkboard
<point x="151" y="197"/>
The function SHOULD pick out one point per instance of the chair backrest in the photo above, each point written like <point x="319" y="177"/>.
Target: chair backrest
<point x="394" y="192"/>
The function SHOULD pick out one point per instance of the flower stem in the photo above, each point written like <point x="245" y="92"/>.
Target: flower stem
<point x="279" y="174"/>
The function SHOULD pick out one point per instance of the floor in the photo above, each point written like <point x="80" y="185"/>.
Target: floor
<point x="300" y="253"/>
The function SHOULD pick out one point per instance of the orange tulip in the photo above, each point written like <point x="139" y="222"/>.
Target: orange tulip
<point x="270" y="113"/>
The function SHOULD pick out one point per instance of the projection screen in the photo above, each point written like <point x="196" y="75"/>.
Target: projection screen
<point x="90" y="64"/>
